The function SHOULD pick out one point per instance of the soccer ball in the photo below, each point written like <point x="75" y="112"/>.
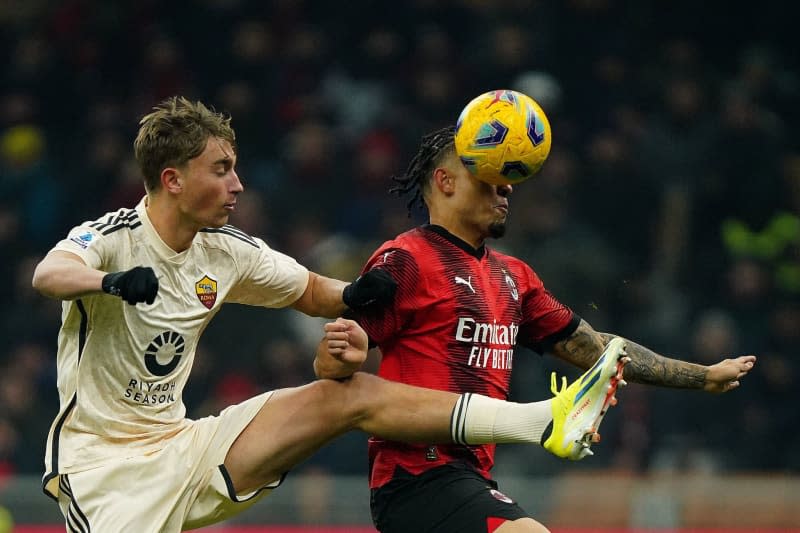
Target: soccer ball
<point x="503" y="137"/>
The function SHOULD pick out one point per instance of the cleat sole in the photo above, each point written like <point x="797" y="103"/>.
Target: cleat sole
<point x="615" y="382"/>
<point x="580" y="429"/>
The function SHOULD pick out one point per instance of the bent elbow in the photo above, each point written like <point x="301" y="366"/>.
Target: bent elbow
<point x="42" y="282"/>
<point x="38" y="279"/>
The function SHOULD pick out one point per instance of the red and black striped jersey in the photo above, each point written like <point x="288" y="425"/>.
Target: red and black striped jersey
<point x="457" y="317"/>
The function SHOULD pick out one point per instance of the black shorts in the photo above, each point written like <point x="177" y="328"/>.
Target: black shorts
<point x="446" y="499"/>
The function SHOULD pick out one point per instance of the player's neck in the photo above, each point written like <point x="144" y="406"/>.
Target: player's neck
<point x="169" y="225"/>
<point x="463" y="232"/>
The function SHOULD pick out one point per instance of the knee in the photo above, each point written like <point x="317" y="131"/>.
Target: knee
<point x="354" y="398"/>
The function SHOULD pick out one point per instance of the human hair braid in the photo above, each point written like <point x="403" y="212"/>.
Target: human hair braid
<point x="431" y="148"/>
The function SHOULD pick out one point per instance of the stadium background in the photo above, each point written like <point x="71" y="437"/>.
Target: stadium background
<point x="669" y="211"/>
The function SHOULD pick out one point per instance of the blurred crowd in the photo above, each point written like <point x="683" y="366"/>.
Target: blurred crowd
<point x="668" y="211"/>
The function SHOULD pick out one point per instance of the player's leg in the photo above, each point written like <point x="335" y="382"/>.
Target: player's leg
<point x="294" y="423"/>
<point x="253" y="444"/>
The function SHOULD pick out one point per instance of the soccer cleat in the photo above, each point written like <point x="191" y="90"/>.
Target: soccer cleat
<point x="579" y="408"/>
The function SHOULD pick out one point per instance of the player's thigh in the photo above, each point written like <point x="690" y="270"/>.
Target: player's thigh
<point x="289" y="428"/>
<point x="184" y="480"/>
<point x="521" y="525"/>
<point x="144" y="493"/>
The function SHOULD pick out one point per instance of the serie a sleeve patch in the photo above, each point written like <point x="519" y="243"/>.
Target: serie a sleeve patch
<point x="82" y="237"/>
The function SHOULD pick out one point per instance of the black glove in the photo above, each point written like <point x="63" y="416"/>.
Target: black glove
<point x="138" y="284"/>
<point x="375" y="286"/>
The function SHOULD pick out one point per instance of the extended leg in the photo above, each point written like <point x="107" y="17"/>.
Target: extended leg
<point x="296" y="422"/>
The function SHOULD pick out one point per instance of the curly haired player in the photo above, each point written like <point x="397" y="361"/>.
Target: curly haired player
<point x="139" y="287"/>
<point x="459" y="312"/>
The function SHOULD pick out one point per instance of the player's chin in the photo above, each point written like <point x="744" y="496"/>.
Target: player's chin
<point x="215" y="223"/>
<point x="497" y="228"/>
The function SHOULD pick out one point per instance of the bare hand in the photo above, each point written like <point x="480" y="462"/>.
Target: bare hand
<point x="346" y="341"/>
<point x="725" y="375"/>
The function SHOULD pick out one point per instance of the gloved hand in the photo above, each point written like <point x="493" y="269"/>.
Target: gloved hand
<point x="375" y="286"/>
<point x="138" y="284"/>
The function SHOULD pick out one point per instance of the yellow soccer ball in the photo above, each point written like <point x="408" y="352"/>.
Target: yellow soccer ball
<point x="503" y="137"/>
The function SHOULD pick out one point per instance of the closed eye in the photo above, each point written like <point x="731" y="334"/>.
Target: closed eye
<point x="223" y="166"/>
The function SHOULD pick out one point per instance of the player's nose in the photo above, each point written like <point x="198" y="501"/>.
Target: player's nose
<point x="237" y="186"/>
<point x="504" y="190"/>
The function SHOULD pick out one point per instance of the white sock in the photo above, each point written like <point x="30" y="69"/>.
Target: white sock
<point x="478" y="419"/>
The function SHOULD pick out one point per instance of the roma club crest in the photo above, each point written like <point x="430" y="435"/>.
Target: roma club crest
<point x="206" y="290"/>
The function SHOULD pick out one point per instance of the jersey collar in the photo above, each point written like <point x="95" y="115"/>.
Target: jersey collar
<point x="478" y="252"/>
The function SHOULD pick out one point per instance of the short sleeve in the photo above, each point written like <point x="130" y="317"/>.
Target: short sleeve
<point x="87" y="243"/>
<point x="383" y="322"/>
<point x="545" y="319"/>
<point x="269" y="278"/>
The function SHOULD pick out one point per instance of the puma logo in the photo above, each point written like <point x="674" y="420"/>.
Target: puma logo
<point x="387" y="254"/>
<point x="468" y="282"/>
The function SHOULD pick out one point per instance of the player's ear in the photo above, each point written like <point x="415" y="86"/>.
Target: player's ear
<point x="172" y="180"/>
<point x="443" y="179"/>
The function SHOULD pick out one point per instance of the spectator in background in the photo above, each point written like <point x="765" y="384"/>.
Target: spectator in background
<point x="139" y="287"/>
<point x="28" y="179"/>
<point x="79" y="72"/>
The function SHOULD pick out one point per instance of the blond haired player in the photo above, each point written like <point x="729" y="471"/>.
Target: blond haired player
<point x="139" y="287"/>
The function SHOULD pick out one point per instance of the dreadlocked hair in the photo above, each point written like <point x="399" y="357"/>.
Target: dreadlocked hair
<point x="431" y="148"/>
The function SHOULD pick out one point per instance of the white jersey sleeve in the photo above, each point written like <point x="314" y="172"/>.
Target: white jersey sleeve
<point x="89" y="240"/>
<point x="122" y="368"/>
<point x="272" y="279"/>
<point x="266" y="277"/>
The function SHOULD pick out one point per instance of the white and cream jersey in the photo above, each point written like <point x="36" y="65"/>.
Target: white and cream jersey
<point x="122" y="368"/>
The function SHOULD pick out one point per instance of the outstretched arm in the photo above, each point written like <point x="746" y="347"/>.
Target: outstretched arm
<point x="646" y="366"/>
<point x="322" y="297"/>
<point x="585" y="346"/>
<point x="330" y="297"/>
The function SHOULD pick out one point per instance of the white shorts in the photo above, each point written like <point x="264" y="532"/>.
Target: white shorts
<point x="181" y="486"/>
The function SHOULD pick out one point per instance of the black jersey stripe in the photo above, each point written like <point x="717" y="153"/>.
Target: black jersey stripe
<point x="232" y="491"/>
<point x="237" y="231"/>
<point x="76" y="518"/>
<point x="102" y="222"/>
<point x="129" y="219"/>
<point x="64" y="486"/>
<point x="73" y="401"/>
<point x="98" y="225"/>
<point x="127" y="224"/>
<point x="234" y="229"/>
<point x="236" y="235"/>
<point x="83" y="327"/>
<point x="114" y="218"/>
<point x="54" y="450"/>
<point x="72" y="527"/>
<point x="73" y="520"/>
<point x="75" y="512"/>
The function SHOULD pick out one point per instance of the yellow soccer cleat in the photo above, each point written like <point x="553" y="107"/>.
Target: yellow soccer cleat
<point x="579" y="408"/>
